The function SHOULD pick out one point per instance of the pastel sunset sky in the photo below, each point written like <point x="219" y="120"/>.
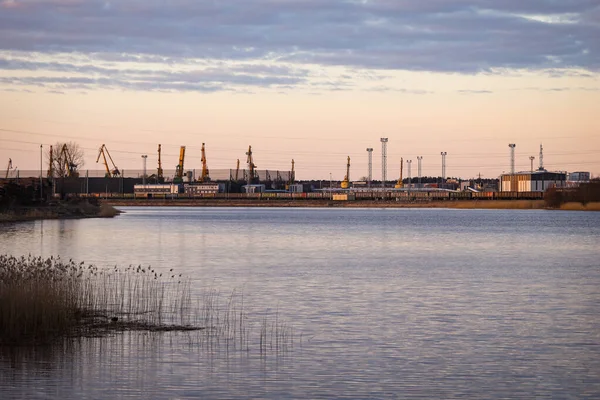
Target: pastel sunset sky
<point x="310" y="80"/>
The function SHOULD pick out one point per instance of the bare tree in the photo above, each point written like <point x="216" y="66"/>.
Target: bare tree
<point x="64" y="159"/>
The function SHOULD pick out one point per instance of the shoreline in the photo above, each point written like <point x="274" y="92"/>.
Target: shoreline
<point x="61" y="212"/>
<point x="107" y="208"/>
<point x="304" y="203"/>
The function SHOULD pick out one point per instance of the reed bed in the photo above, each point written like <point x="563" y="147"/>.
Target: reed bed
<point x="43" y="300"/>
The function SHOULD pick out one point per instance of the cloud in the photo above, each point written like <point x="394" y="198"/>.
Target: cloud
<point x="438" y="35"/>
<point x="382" y="88"/>
<point x="452" y="36"/>
<point x="466" y="91"/>
<point x="561" y="89"/>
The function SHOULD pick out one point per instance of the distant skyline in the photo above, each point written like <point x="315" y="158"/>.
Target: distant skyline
<point x="310" y="80"/>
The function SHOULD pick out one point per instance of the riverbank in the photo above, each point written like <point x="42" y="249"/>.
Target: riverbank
<point x="59" y="210"/>
<point x="318" y="203"/>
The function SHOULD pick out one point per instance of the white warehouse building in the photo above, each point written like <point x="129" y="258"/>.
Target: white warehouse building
<point x="532" y="181"/>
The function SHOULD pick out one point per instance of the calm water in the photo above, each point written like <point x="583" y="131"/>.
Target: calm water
<point x="406" y="303"/>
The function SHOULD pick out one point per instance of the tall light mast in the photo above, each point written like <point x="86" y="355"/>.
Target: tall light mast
<point x="419" y="158"/>
<point x="370" y="170"/>
<point x="444" y="153"/>
<point x="531" y="158"/>
<point x="409" y="164"/>
<point x="384" y="142"/>
<point x="512" y="158"/>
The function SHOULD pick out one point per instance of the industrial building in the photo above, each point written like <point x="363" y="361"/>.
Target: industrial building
<point x="532" y="181"/>
<point x="539" y="180"/>
<point x="579" y="176"/>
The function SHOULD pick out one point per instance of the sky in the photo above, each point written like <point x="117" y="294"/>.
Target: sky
<point x="311" y="80"/>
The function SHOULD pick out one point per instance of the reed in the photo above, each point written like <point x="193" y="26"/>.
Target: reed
<point x="42" y="300"/>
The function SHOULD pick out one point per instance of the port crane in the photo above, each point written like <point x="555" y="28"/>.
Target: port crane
<point x="204" y="177"/>
<point x="8" y="168"/>
<point x="251" y="166"/>
<point x="346" y="182"/>
<point x="109" y="173"/>
<point x="237" y="170"/>
<point x="179" y="169"/>
<point x="67" y="161"/>
<point x="159" y="171"/>
<point x="399" y="184"/>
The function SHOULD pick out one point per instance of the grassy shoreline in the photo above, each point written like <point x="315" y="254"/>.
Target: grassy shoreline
<point x="60" y="211"/>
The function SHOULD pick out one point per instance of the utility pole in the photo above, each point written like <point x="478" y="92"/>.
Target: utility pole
<point x="384" y="142"/>
<point x="370" y="175"/>
<point x="144" y="157"/>
<point x="419" y="158"/>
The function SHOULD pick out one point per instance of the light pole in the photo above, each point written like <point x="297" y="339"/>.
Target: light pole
<point x="531" y="158"/>
<point x="370" y="175"/>
<point x="419" y="158"/>
<point x="443" y="153"/>
<point x="144" y="157"/>
<point x="409" y="162"/>
<point x="384" y="142"/>
<point x="41" y="167"/>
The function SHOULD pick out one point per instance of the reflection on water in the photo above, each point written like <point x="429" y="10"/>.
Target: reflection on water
<point x="384" y="303"/>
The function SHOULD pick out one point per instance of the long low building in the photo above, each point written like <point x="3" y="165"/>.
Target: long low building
<point x="532" y="181"/>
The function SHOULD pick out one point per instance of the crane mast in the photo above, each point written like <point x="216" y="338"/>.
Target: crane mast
<point x="65" y="158"/>
<point x="251" y="165"/>
<point x="346" y="182"/>
<point x="237" y="170"/>
<point x="179" y="168"/>
<point x="159" y="171"/>
<point x="104" y="152"/>
<point x="399" y="184"/>
<point x="204" y="177"/>
<point x="293" y="174"/>
<point x="8" y="167"/>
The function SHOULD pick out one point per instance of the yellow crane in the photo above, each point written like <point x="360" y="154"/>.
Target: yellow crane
<point x="204" y="177"/>
<point x="159" y="171"/>
<point x="70" y="166"/>
<point x="179" y="169"/>
<point x="346" y="182"/>
<point x="8" y="168"/>
<point x="251" y="165"/>
<point x="399" y="184"/>
<point x="109" y="173"/>
<point x="293" y="174"/>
